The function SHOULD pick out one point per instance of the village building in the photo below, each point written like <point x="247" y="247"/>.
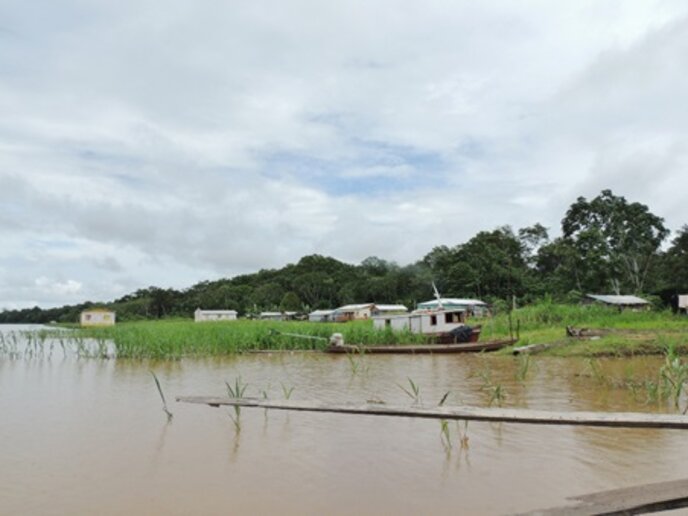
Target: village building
<point x="214" y="315"/>
<point x="683" y="303"/>
<point x="354" y="312"/>
<point x="97" y="317"/>
<point x="364" y="311"/>
<point x="472" y="307"/>
<point x="620" y="302"/>
<point x="321" y="316"/>
<point x="278" y="316"/>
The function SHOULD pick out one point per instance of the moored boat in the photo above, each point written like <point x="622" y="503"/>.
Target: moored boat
<point x="470" y="347"/>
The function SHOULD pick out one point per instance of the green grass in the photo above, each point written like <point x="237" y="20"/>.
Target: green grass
<point x="631" y="332"/>
<point x="182" y="338"/>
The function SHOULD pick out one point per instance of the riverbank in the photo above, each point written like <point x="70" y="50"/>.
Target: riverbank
<point x="625" y="333"/>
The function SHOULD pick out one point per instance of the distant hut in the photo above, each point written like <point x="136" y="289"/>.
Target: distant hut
<point x="214" y="315"/>
<point x="620" y="302"/>
<point x="278" y="316"/>
<point x="321" y="316"/>
<point x="683" y="303"/>
<point x="354" y="312"/>
<point x="97" y="317"/>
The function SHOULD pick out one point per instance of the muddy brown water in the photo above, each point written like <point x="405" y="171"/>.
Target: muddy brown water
<point x="88" y="436"/>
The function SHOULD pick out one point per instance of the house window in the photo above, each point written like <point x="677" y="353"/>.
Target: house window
<point x="433" y="320"/>
<point x="448" y="318"/>
<point x="388" y="322"/>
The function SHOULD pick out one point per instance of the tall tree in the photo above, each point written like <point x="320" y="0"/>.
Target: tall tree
<point x="674" y="269"/>
<point x="614" y="241"/>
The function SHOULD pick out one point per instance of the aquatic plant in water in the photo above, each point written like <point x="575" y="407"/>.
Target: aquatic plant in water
<point x="287" y="391"/>
<point x="236" y="391"/>
<point x="414" y="392"/>
<point x="162" y="397"/>
<point x="674" y="374"/>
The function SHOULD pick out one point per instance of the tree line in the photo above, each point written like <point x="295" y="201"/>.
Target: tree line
<point x="607" y="245"/>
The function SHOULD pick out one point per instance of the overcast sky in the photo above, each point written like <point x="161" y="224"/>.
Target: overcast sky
<point x="168" y="142"/>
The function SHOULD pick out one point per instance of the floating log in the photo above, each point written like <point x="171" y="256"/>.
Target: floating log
<point x="641" y="499"/>
<point x="540" y="417"/>
<point x="423" y="348"/>
<point x="586" y="333"/>
<point x="537" y="348"/>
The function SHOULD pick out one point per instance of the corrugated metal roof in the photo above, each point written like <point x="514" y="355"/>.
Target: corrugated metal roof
<point x="618" y="300"/>
<point x="322" y="312"/>
<point x="355" y="307"/>
<point x="201" y="311"/>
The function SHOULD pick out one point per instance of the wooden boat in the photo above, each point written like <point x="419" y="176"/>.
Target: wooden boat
<point x="471" y="347"/>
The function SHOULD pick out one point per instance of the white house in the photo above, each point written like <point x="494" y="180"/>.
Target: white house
<point x="354" y="312"/>
<point x="214" y="315"/>
<point x="683" y="303"/>
<point x="321" y="316"/>
<point x="471" y="306"/>
<point x="278" y="316"/>
<point x="97" y="317"/>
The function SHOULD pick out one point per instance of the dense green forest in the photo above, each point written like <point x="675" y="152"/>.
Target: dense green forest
<point x="607" y="245"/>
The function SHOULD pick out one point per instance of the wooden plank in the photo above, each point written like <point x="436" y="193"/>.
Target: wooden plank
<point x="659" y="496"/>
<point x="540" y="417"/>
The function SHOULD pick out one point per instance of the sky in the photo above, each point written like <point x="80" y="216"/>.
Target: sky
<point x="167" y="142"/>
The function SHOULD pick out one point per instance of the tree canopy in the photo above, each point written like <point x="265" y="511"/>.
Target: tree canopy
<point x="607" y="245"/>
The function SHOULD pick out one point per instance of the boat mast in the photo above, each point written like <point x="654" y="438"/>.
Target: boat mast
<point x="437" y="296"/>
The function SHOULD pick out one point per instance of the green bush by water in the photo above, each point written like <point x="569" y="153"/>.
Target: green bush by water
<point x="180" y="338"/>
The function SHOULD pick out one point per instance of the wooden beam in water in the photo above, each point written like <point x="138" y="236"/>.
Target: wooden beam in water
<point x="505" y="415"/>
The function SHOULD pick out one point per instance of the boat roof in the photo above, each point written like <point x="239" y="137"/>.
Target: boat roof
<point x="390" y="307"/>
<point x="618" y="300"/>
<point x="418" y="313"/>
<point x="453" y="301"/>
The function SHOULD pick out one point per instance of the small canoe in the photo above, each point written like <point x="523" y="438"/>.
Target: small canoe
<point x="471" y="347"/>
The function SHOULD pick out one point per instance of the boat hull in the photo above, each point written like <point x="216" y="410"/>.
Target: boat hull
<point x="424" y="348"/>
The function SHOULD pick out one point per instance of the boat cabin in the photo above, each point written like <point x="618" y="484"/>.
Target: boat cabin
<point x="473" y="307"/>
<point x="427" y="322"/>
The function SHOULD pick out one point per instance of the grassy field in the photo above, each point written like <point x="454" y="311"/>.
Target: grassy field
<point x="630" y="333"/>
<point x="179" y="338"/>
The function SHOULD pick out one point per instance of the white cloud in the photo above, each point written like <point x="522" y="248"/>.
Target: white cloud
<point x="170" y="143"/>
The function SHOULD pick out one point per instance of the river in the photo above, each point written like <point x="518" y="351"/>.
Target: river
<point x="88" y="435"/>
